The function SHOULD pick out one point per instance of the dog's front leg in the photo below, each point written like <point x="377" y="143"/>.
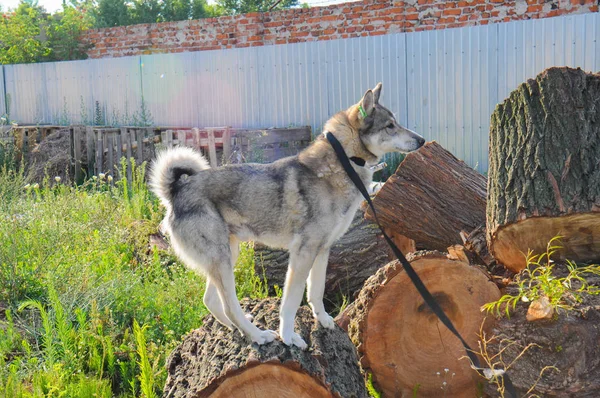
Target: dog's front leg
<point x="295" y="281"/>
<point x="316" y="289"/>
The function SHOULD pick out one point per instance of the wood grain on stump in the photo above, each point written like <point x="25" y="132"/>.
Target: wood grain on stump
<point x="431" y="198"/>
<point x="401" y="341"/>
<point x="214" y="361"/>
<point x="544" y="173"/>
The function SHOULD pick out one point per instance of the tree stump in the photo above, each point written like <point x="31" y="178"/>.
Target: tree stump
<point x="544" y="173"/>
<point x="401" y="341"/>
<point x="213" y="361"/>
<point x="570" y="342"/>
<point x="353" y="258"/>
<point x="431" y="198"/>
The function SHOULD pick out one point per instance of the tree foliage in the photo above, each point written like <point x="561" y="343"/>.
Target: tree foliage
<point x="30" y="34"/>
<point x="121" y="12"/>
<point x="20" y="35"/>
<point x="232" y="7"/>
<point x="64" y="32"/>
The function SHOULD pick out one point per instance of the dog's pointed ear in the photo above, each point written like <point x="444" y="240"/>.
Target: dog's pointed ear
<point x="377" y="92"/>
<point x="367" y="104"/>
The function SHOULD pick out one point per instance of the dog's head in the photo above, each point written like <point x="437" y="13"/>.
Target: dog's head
<point x="378" y="129"/>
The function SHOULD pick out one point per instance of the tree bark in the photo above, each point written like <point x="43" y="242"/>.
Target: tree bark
<point x="568" y="342"/>
<point x="353" y="258"/>
<point x="403" y="344"/>
<point x="431" y="198"/>
<point x="214" y="361"/>
<point x="544" y="173"/>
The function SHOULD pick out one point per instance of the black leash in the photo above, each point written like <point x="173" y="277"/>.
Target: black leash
<point x="410" y="271"/>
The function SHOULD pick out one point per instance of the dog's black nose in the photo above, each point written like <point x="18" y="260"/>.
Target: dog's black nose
<point x="420" y="141"/>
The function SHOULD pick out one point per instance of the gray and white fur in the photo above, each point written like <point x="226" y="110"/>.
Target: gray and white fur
<point x="302" y="203"/>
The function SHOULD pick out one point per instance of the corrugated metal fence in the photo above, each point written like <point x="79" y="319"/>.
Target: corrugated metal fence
<point x="443" y="84"/>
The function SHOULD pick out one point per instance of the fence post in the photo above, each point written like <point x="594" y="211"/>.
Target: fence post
<point x="226" y="145"/>
<point x="110" y="143"/>
<point x="212" y="150"/>
<point x="76" y="133"/>
<point x="119" y="151"/>
<point x="90" y="149"/>
<point x="139" y="133"/>
<point x="128" y="145"/>
<point x="99" y="150"/>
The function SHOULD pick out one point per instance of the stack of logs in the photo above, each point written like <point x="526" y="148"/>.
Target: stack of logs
<point x="543" y="181"/>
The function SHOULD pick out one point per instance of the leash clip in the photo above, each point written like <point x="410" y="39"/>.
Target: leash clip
<point x="378" y="167"/>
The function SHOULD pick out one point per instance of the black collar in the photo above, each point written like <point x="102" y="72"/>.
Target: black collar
<point x="355" y="159"/>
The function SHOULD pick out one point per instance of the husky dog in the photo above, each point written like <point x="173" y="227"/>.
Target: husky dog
<point x="302" y="203"/>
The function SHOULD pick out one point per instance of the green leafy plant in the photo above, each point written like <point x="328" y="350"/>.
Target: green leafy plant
<point x="146" y="376"/>
<point x="143" y="118"/>
<point x="371" y="388"/>
<point x="539" y="280"/>
<point x="99" y="117"/>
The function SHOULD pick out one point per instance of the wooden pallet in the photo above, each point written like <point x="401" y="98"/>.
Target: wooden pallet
<point x="107" y="145"/>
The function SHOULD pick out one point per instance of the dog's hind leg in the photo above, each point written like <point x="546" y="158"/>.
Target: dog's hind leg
<point x="316" y="288"/>
<point x="295" y="281"/>
<point x="223" y="278"/>
<point x="213" y="302"/>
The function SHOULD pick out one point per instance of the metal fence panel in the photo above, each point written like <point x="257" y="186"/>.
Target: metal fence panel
<point x="443" y="84"/>
<point x="208" y="88"/>
<point x="450" y="90"/>
<point x="2" y="93"/>
<point x="526" y="48"/>
<point x="67" y="92"/>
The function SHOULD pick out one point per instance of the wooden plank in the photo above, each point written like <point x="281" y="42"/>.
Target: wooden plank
<point x="99" y="151"/>
<point x="150" y="140"/>
<point x="119" y="151"/>
<point x="128" y="144"/>
<point x="274" y="136"/>
<point x="182" y="135"/>
<point x="77" y="156"/>
<point x="25" y="148"/>
<point x="226" y="145"/>
<point x="169" y="138"/>
<point x="110" y="146"/>
<point x="105" y="138"/>
<point x="90" y="149"/>
<point x="139" y="134"/>
<point x="196" y="138"/>
<point x="212" y="150"/>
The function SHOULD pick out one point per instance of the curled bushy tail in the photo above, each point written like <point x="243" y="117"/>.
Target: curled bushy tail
<point x="169" y="166"/>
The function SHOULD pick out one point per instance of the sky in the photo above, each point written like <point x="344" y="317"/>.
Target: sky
<point x="55" y="5"/>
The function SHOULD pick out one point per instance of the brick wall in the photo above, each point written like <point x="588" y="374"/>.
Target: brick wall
<point x="366" y="18"/>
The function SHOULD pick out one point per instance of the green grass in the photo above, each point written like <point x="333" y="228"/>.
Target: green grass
<point x="539" y="279"/>
<point x="86" y="307"/>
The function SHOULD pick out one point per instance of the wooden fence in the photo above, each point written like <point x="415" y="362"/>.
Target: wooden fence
<point x="97" y="149"/>
<point x="26" y="138"/>
<point x="100" y="149"/>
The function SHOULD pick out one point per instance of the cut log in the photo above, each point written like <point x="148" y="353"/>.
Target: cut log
<point x="353" y="258"/>
<point x="544" y="173"/>
<point x="431" y="198"/>
<point x="214" y="361"/>
<point x="569" y="342"/>
<point x="400" y="340"/>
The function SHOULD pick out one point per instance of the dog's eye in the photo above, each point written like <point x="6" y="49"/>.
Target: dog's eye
<point x="390" y="126"/>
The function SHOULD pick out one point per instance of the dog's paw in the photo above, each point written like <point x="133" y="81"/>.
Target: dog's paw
<point x="294" y="339"/>
<point x="264" y="337"/>
<point x="326" y="321"/>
